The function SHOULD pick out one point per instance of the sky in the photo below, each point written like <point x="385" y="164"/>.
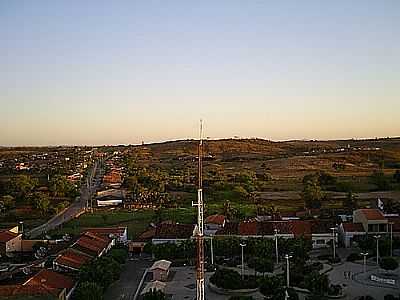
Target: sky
<point x="123" y="72"/>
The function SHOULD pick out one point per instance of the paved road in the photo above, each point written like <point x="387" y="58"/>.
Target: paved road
<point x="125" y="287"/>
<point x="77" y="207"/>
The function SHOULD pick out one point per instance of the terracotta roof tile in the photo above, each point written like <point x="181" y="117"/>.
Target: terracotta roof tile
<point x="353" y="227"/>
<point x="73" y="259"/>
<point x="373" y="214"/>
<point x="51" y="279"/>
<point x="215" y="219"/>
<point x="6" y="236"/>
<point x="174" y="231"/>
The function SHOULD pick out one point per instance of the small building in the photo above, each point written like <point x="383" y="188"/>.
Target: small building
<point x="154" y="286"/>
<point x="53" y="280"/>
<point x="173" y="233"/>
<point x="19" y="291"/>
<point x="372" y="220"/>
<point x="349" y="233"/>
<point x="70" y="260"/>
<point x="10" y="241"/>
<point x="92" y="244"/>
<point x="160" y="270"/>
<point x="120" y="234"/>
<point x="215" y="222"/>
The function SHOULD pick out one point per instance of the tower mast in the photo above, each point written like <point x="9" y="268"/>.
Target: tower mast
<point x="200" y="222"/>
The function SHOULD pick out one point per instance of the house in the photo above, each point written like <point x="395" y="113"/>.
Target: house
<point x="70" y="260"/>
<point x="19" y="291"/>
<point x="53" y="280"/>
<point x="322" y="233"/>
<point x="111" y="197"/>
<point x="350" y="233"/>
<point x="160" y="270"/>
<point x="173" y="233"/>
<point x="372" y="220"/>
<point x="214" y="222"/>
<point x="10" y="241"/>
<point x="92" y="244"/>
<point x="120" y="234"/>
<point x="154" y="286"/>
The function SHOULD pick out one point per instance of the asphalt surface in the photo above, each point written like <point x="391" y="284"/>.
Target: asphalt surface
<point x="77" y="207"/>
<point x="125" y="287"/>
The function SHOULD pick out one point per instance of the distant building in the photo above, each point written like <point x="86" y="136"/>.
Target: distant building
<point x="173" y="233"/>
<point x="372" y="220"/>
<point x="349" y="233"/>
<point x="10" y="241"/>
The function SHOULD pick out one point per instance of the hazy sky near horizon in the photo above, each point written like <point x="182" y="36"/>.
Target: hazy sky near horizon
<point x="108" y="72"/>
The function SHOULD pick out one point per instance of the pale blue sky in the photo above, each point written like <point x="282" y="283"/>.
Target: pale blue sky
<point x="106" y="72"/>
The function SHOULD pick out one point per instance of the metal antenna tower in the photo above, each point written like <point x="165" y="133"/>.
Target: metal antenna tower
<point x="200" y="222"/>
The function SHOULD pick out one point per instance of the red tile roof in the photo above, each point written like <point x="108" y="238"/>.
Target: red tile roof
<point x="216" y="219"/>
<point x="301" y="228"/>
<point x="373" y="214"/>
<point x="73" y="259"/>
<point x="6" y="236"/>
<point x="51" y="279"/>
<point x="27" y="290"/>
<point x="248" y="228"/>
<point x="95" y="243"/>
<point x="353" y="227"/>
<point x="118" y="231"/>
<point x="174" y="231"/>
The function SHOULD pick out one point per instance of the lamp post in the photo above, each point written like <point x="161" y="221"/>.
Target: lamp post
<point x="287" y="256"/>
<point x="364" y="261"/>
<point x="333" y="241"/>
<point x="391" y="238"/>
<point x="276" y="246"/>
<point x="212" y="251"/>
<point x="242" y="245"/>
<point x="377" y="237"/>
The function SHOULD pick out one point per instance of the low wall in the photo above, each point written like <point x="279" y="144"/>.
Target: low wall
<point x="222" y="291"/>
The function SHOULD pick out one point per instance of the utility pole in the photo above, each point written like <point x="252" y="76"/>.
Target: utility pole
<point x="276" y="246"/>
<point x="200" y="223"/>
<point x="212" y="251"/>
<point x="365" y="261"/>
<point x="242" y="245"/>
<point x="377" y="237"/>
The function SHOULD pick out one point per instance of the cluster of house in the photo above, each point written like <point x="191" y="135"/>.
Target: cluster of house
<point x="59" y="280"/>
<point x="74" y="158"/>
<point x="320" y="231"/>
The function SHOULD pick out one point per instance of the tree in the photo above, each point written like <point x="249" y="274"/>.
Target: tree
<point x="396" y="176"/>
<point x="388" y="263"/>
<point x="312" y="193"/>
<point x="23" y="185"/>
<point x="7" y="202"/>
<point x="60" y="187"/>
<point x="317" y="283"/>
<point x="154" y="295"/>
<point x="227" y="209"/>
<point x="41" y="202"/>
<point x="350" y="201"/>
<point x="240" y="192"/>
<point x="89" y="291"/>
<point x="379" y="179"/>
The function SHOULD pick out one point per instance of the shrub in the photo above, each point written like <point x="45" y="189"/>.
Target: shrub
<point x="119" y="255"/>
<point x="229" y="279"/>
<point x="269" y="285"/>
<point x="388" y="263"/>
<point x="154" y="295"/>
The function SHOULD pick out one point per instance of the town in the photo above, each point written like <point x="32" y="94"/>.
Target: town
<point x="118" y="222"/>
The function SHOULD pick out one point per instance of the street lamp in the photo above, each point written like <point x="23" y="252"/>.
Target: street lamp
<point x="333" y="241"/>
<point x="287" y="256"/>
<point x="377" y="237"/>
<point x="276" y="246"/>
<point x="242" y="245"/>
<point x="391" y="238"/>
<point x="212" y="251"/>
<point x="365" y="260"/>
